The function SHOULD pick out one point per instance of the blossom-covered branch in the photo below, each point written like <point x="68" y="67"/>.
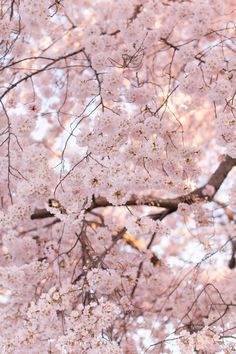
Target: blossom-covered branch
<point x="206" y="192"/>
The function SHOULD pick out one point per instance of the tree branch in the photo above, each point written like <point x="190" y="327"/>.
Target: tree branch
<point x="216" y="180"/>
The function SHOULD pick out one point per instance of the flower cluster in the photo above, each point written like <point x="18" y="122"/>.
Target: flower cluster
<point x="103" y="281"/>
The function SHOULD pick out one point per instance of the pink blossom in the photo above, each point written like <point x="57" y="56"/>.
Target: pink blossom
<point x="117" y="128"/>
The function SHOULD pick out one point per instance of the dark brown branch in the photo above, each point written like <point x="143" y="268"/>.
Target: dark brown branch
<point x="216" y="180"/>
<point x="41" y="214"/>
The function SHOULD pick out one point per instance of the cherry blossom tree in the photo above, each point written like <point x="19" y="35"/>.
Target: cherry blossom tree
<point x="118" y="189"/>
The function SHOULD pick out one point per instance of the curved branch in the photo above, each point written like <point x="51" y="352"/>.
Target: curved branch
<point x="216" y="180"/>
<point x="36" y="72"/>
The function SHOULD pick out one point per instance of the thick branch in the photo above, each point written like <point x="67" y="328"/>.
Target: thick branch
<point x="41" y="214"/>
<point x="216" y="180"/>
